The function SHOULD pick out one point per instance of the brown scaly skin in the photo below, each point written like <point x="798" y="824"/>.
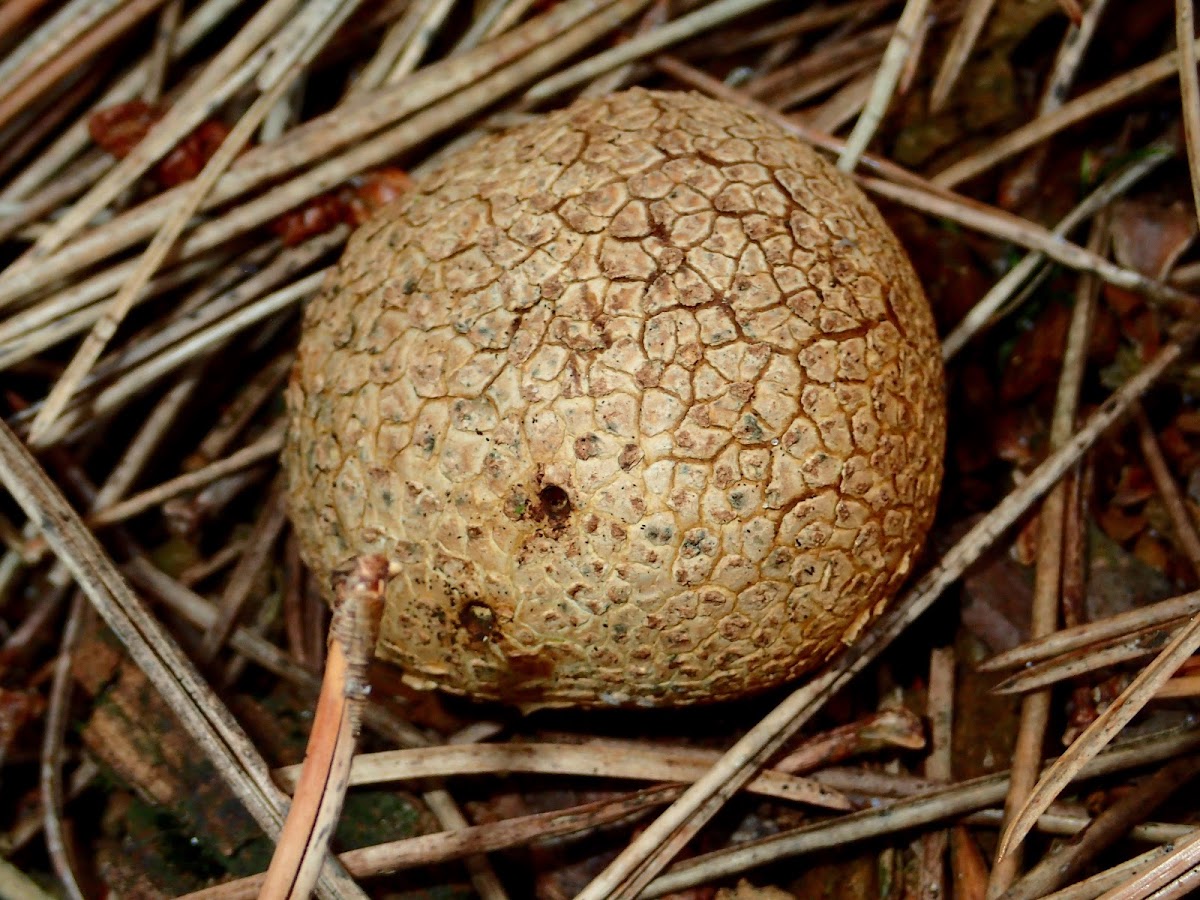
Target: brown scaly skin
<point x="644" y="398"/>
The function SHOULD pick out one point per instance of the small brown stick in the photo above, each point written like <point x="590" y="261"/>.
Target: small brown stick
<point x="205" y="717"/>
<point x="1074" y="111"/>
<point x="24" y="639"/>
<point x="1179" y="687"/>
<point x="887" y="728"/>
<point x="50" y="38"/>
<point x="293" y="59"/>
<point x="819" y="84"/>
<point x="872" y="783"/>
<point x="424" y="31"/>
<point x="924" y="809"/>
<point x="1075" y="540"/>
<point x="1189" y="89"/>
<point x="55" y="195"/>
<point x="200" y="612"/>
<point x="912" y="65"/>
<point x="656" y="16"/>
<point x="321" y="788"/>
<point x="1047" y="588"/>
<point x="1183" y="886"/>
<point x="1093" y="887"/>
<point x="29" y="825"/>
<point x="1186" y="275"/>
<point x="1071" y="822"/>
<point x="1024" y="179"/>
<point x="1005" y="226"/>
<point x="293" y="600"/>
<point x="160" y="53"/>
<point x="206" y="568"/>
<point x="316" y="612"/>
<point x="430" y="849"/>
<point x="185" y="515"/>
<point x="10" y="535"/>
<point x="1168" y="490"/>
<point x="970" y="868"/>
<point x="981" y="314"/>
<point x="264" y="617"/>
<point x="199" y="346"/>
<point x="1067" y="860"/>
<point x="58" y="715"/>
<point x="1072" y="9"/>
<point x="486" y="16"/>
<point x="1080" y="636"/>
<point x="215" y="300"/>
<point x="1179" y="862"/>
<point x="78" y="52"/>
<point x="212" y="86"/>
<point x="508" y="17"/>
<point x="126" y="471"/>
<point x="779" y="86"/>
<point x="899" y="51"/>
<point x="1101" y="731"/>
<point x="843" y="106"/>
<point x="262" y="449"/>
<point x="700" y="20"/>
<point x="59" y="102"/>
<point x="939" y="709"/>
<point x="75" y="139"/>
<point x="397" y="37"/>
<point x="791" y="26"/>
<point x="1136" y="645"/>
<point x="961" y="44"/>
<point x="601" y="759"/>
<point x="23" y="335"/>
<point x="483" y="877"/>
<point x="261" y="388"/>
<point x="259" y="547"/>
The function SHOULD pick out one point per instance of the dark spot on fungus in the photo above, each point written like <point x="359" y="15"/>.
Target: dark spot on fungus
<point x="630" y="456"/>
<point x="587" y="446"/>
<point x="555" y="502"/>
<point x="478" y="621"/>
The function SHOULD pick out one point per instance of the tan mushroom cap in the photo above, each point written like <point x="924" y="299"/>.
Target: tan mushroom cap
<point x="644" y="399"/>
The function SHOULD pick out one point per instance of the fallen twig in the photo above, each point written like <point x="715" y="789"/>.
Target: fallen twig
<point x="605" y="759"/>
<point x="317" y="802"/>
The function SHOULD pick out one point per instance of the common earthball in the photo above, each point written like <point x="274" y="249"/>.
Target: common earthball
<point x="643" y="399"/>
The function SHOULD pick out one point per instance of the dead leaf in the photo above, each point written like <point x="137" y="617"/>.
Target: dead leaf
<point x="1037" y="354"/>
<point x="1152" y="552"/>
<point x="16" y="709"/>
<point x="1120" y="525"/>
<point x="1134" y="486"/>
<point x="997" y="601"/>
<point x="1150" y="235"/>
<point x="1118" y="581"/>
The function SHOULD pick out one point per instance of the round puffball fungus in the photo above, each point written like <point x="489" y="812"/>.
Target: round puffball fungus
<point x="643" y="399"/>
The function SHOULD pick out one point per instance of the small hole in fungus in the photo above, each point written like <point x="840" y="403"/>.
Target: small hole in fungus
<point x="555" y="501"/>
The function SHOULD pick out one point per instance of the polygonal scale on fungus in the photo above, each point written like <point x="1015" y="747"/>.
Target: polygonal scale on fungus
<point x="643" y="398"/>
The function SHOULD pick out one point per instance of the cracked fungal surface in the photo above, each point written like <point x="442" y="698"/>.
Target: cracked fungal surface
<point x="643" y="398"/>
